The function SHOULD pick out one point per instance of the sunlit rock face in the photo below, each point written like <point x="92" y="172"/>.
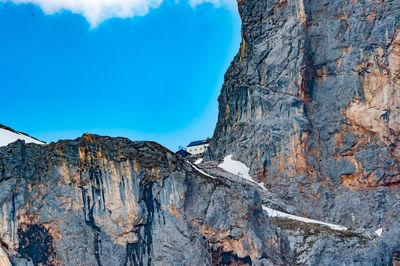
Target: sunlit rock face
<point x="109" y="201"/>
<point x="378" y="111"/>
<point x="311" y="104"/>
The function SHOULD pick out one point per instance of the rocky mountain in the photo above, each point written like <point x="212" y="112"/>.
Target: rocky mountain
<point x="303" y="167"/>
<point x="315" y="90"/>
<point x="311" y="105"/>
<point x="104" y="201"/>
<point x="110" y="201"/>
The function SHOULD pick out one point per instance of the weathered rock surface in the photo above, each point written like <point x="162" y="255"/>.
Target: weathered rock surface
<point x="320" y="79"/>
<point x="103" y="201"/>
<point x="109" y="201"/>
<point x="316" y="245"/>
<point x="311" y="104"/>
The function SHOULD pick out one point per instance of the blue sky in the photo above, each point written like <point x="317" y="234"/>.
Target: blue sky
<point x="151" y="77"/>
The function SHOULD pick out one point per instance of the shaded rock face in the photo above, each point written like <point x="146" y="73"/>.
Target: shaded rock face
<point x="315" y="90"/>
<point x="311" y="104"/>
<point x="103" y="201"/>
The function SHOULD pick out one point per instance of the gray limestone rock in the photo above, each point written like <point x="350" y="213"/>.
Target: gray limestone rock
<point x="311" y="105"/>
<point x="104" y="201"/>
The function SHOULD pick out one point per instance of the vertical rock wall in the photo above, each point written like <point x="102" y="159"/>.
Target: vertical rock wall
<point x="311" y="104"/>
<point x="314" y="91"/>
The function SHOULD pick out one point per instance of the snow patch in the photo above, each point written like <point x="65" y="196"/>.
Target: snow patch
<point x="279" y="214"/>
<point x="379" y="232"/>
<point x="198" y="161"/>
<point x="7" y="137"/>
<point x="238" y="168"/>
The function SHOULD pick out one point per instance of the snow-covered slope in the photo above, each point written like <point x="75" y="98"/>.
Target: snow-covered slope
<point x="238" y="168"/>
<point x="8" y="135"/>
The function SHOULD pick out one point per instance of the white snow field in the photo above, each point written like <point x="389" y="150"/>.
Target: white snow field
<point x="279" y="214"/>
<point x="7" y="137"/>
<point x="238" y="168"/>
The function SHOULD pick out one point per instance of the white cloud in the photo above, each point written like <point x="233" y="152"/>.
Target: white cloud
<point x="97" y="11"/>
<point x="232" y="4"/>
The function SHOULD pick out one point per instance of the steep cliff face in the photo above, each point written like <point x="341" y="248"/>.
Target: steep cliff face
<point x="311" y="105"/>
<point x="104" y="201"/>
<point x="315" y="89"/>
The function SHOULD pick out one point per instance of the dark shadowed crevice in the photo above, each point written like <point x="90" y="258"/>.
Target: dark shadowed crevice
<point x="136" y="253"/>
<point x="89" y="220"/>
<point x="98" y="188"/>
<point x="228" y="258"/>
<point x="140" y="253"/>
<point x="36" y="244"/>
<point x="96" y="234"/>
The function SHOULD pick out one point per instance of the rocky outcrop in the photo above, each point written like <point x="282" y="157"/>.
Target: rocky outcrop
<point x="311" y="105"/>
<point x="103" y="201"/>
<point x="109" y="201"/>
<point x="314" y="86"/>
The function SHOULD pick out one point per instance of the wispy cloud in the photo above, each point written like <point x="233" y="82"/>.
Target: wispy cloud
<point x="97" y="11"/>
<point x="228" y="3"/>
